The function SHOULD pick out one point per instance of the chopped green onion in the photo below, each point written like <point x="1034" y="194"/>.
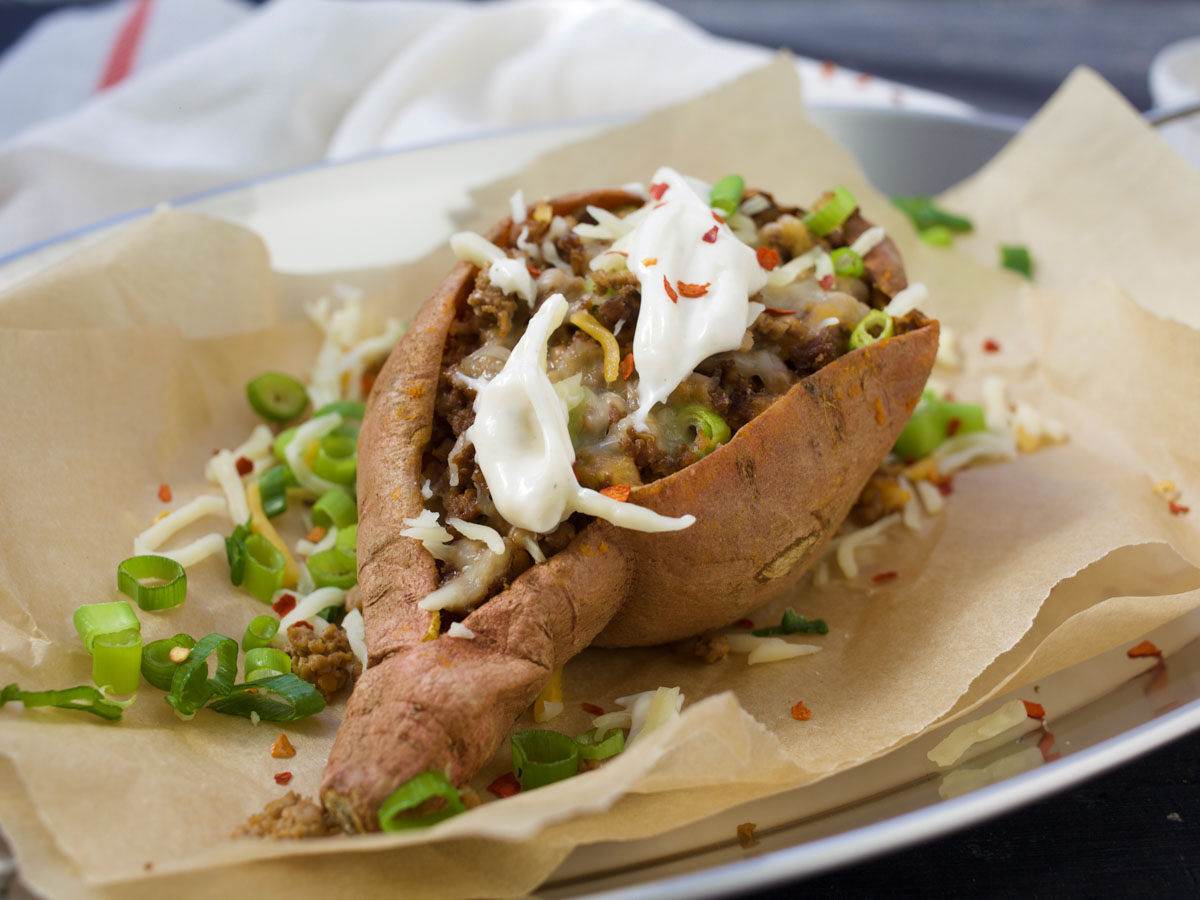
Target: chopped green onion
<point x="937" y="236"/>
<point x="117" y="660"/>
<point x="260" y="632"/>
<point x="157" y="666"/>
<point x="152" y="597"/>
<point x="930" y="425"/>
<point x="264" y="567"/>
<point x="726" y="194"/>
<point x="332" y="568"/>
<point x="265" y="662"/>
<point x="272" y="489"/>
<point x="279" y="446"/>
<point x="281" y="698"/>
<point x="542" y="757"/>
<point x="415" y="793"/>
<point x="276" y="397"/>
<point x="336" y="459"/>
<point x="593" y="746"/>
<point x="924" y="214"/>
<point x="192" y="686"/>
<point x="347" y="409"/>
<point x="846" y="262"/>
<point x="1017" y="258"/>
<point x="830" y="211"/>
<point x="793" y="623"/>
<point x="335" y="509"/>
<point x="711" y="429"/>
<point x="862" y="335"/>
<point x="347" y="541"/>
<point x="83" y="698"/>
<point x="235" y="552"/>
<point x="92" y="619"/>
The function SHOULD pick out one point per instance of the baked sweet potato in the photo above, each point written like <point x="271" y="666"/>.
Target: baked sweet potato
<point x="766" y="502"/>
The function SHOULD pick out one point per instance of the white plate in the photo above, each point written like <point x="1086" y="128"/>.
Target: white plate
<point x="356" y="214"/>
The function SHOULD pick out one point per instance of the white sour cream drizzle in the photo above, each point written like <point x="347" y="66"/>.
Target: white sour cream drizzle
<point x="510" y="275"/>
<point x="674" y="336"/>
<point x="524" y="450"/>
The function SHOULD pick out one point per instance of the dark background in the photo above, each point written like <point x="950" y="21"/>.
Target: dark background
<point x="1135" y="831"/>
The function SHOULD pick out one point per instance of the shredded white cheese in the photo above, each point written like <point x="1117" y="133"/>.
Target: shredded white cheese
<point x="307" y="608"/>
<point x="869" y="240"/>
<point x="305" y="547"/>
<point x="459" y="630"/>
<point x="426" y="490"/>
<point x="201" y="548"/>
<point x="962" y="738"/>
<point x="312" y="430"/>
<point x="426" y="529"/>
<point x="767" y="649"/>
<point x="794" y="268"/>
<point x="965" y="448"/>
<point x="478" y="532"/>
<point x="256" y="448"/>
<point x="848" y="545"/>
<point x="510" y="275"/>
<point x="907" y="300"/>
<point x="224" y="467"/>
<point x="752" y="206"/>
<point x="650" y="710"/>
<point x="356" y="635"/>
<point x="517" y="204"/>
<point x="931" y="498"/>
<point x="154" y="536"/>
<point x="911" y="514"/>
<point x="947" y="351"/>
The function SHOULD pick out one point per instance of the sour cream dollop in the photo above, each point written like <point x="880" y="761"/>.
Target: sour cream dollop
<point x="524" y="450"/>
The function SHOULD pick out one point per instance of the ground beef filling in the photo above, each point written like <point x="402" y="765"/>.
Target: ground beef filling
<point x="289" y="817"/>
<point x="325" y="659"/>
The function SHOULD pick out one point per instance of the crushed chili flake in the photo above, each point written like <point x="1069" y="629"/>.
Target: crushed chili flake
<point x="768" y="257"/>
<point x="744" y="623"/>
<point x="282" y="747"/>
<point x="881" y="577"/>
<point x="670" y="290"/>
<point x="164" y="493"/>
<point x="952" y="427"/>
<point x="366" y="381"/>
<point x="284" y="605"/>
<point x="316" y="533"/>
<point x="650" y="261"/>
<point x="1145" y="648"/>
<point x="693" y="290"/>
<point x="532" y="271"/>
<point x="990" y="346"/>
<point x="717" y="218"/>
<point x="1177" y="509"/>
<point x="244" y="466"/>
<point x="710" y="236"/>
<point x="659" y="205"/>
<point x="618" y="492"/>
<point x="283" y="777"/>
<point x="592" y="709"/>
<point x="1046" y="746"/>
<point x="302" y="625"/>
<point x="627" y="366"/>
<point x="800" y="712"/>
<point x="1034" y="710"/>
<point x="826" y="283"/>
<point x="828" y="68"/>
<point x="865" y="78"/>
<point x="505" y="786"/>
<point x="946" y="487"/>
<point x="657" y="190"/>
<point x="745" y="835"/>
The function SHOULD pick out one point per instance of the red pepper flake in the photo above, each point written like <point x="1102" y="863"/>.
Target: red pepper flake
<point x="627" y="366"/>
<point x="1046" y="746"/>
<point x="710" y="236"/>
<point x="282" y="747"/>
<point x="826" y="283"/>
<point x="659" y="205"/>
<point x="800" y="712"/>
<point x="768" y="257"/>
<point x="164" y="493"/>
<point x="1145" y="648"/>
<point x="865" y="78"/>
<point x="1034" y="710"/>
<point x="650" y="261"/>
<point x="284" y="605"/>
<point x="316" y="533"/>
<point x="532" y="271"/>
<point x="990" y="346"/>
<point x="283" y="777"/>
<point x="952" y="427"/>
<point x="618" y="492"/>
<point x="884" y="577"/>
<point x="296" y="625"/>
<point x="505" y="786"/>
<point x="592" y="709"/>
<point x="717" y="218"/>
<point x="828" y="68"/>
<point x="693" y="290"/>
<point x="657" y="190"/>
<point x="670" y="290"/>
<point x="775" y="311"/>
<point x="366" y="381"/>
<point x="244" y="466"/>
<point x="744" y="623"/>
<point x="946" y="488"/>
<point x="1177" y="509"/>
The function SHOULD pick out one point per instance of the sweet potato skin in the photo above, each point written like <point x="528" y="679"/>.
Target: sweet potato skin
<point x="766" y="504"/>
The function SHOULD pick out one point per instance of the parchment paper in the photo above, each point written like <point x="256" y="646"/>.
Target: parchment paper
<point x="123" y="368"/>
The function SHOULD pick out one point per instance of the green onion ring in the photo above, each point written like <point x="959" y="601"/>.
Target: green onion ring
<point x="347" y="541"/>
<point x="265" y="662"/>
<point x="276" y="397"/>
<point x="861" y="336"/>
<point x="235" y="553"/>
<point x="413" y="794"/>
<point x="711" y="429"/>
<point x="335" y="509"/>
<point x="264" y="568"/>
<point x="347" y="409"/>
<point x="830" y="211"/>
<point x="542" y="757"/>
<point x="924" y="215"/>
<point x="170" y="593"/>
<point x="260" y="632"/>
<point x="846" y="262"/>
<point x="332" y="568"/>
<point x="157" y="666"/>
<point x="272" y="489"/>
<point x="92" y="619"/>
<point x="929" y="425"/>
<point x="191" y="685"/>
<point x="281" y="698"/>
<point x="117" y="660"/>
<point x="83" y="698"/>
<point x="279" y="446"/>
<point x="609" y="744"/>
<point x="336" y="459"/>
<point x="726" y="194"/>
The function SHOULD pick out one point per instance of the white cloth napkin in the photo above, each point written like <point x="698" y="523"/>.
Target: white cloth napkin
<point x="221" y="93"/>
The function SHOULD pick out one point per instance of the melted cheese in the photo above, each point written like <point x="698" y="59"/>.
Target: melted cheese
<point x="510" y="275"/>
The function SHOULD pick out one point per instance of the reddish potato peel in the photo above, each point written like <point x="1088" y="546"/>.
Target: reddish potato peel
<point x="766" y="503"/>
